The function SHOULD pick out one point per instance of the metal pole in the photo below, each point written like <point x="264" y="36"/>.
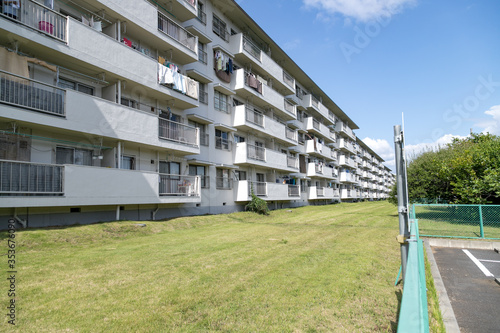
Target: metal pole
<point x="402" y="196"/>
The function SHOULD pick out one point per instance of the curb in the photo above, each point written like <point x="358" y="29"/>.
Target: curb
<point x="449" y="319"/>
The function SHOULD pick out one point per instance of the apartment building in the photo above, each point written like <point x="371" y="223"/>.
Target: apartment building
<point x="121" y="109"/>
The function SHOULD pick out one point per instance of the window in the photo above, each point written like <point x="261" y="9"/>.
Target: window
<point x="219" y="28"/>
<point x="238" y="139"/>
<point x="202" y="53"/>
<point x="203" y="95"/>
<point x="222" y="140"/>
<point x="201" y="13"/>
<point x="172" y="168"/>
<point x="68" y="155"/>
<point x="220" y="102"/>
<point x="203" y="133"/>
<point x="69" y="84"/>
<point x="223" y="181"/>
<point x="128" y="102"/>
<point x="199" y="170"/>
<point x="128" y="163"/>
<point x="241" y="175"/>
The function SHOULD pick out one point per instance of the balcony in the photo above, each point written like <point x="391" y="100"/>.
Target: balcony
<point x="178" y="33"/>
<point x="251" y="119"/>
<point x="346" y="145"/>
<point x="246" y="51"/>
<point x="30" y="94"/>
<point x="46" y="185"/>
<point x="343" y="129"/>
<point x="347" y="161"/>
<point x="263" y="96"/>
<point x="248" y="154"/>
<point x="347" y="177"/>
<point x="30" y="179"/>
<point x="321" y="171"/>
<point x="184" y="9"/>
<point x="40" y="18"/>
<point x="315" y="148"/>
<point x="314" y="126"/>
<point x="183" y="134"/>
<point x="321" y="193"/>
<point x="266" y="191"/>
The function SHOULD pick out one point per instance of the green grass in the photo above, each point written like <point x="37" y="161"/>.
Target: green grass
<point x="314" y="269"/>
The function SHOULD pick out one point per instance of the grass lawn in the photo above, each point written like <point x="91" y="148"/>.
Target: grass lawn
<point x="312" y="269"/>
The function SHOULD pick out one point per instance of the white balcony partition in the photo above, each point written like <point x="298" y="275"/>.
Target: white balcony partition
<point x="266" y="191"/>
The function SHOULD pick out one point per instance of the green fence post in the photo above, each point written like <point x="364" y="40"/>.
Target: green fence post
<point x="481" y="221"/>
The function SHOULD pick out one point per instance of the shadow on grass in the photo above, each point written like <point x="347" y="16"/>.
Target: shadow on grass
<point x="399" y="296"/>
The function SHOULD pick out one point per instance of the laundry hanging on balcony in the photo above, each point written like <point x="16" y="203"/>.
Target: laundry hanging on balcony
<point x="169" y="76"/>
<point x="254" y="83"/>
<point x="223" y="66"/>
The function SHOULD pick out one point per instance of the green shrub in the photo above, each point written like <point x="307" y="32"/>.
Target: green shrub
<point x="257" y="205"/>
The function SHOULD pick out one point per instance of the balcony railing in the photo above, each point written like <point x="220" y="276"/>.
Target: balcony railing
<point x="315" y="101"/>
<point x="294" y="190"/>
<point x="31" y="94"/>
<point x="250" y="47"/>
<point x="259" y="188"/>
<point x="179" y="185"/>
<point x="39" y="17"/>
<point x="176" y="32"/>
<point x="174" y="131"/>
<point x="316" y="124"/>
<point x="24" y="178"/>
<point x="254" y="117"/>
<point x="223" y="183"/>
<point x="256" y="153"/>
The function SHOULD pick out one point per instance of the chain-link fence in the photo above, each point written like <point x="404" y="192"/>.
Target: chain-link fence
<point x="460" y="221"/>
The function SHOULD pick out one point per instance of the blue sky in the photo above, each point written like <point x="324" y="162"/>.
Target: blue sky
<point x="438" y="62"/>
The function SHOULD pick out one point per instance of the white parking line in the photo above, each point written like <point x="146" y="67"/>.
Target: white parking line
<point x="478" y="264"/>
<point x="487" y="260"/>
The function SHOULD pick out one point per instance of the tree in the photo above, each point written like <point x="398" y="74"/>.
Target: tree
<point x="466" y="171"/>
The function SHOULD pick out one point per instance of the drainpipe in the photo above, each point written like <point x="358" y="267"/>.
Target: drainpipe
<point x="118" y="213"/>
<point x="18" y="219"/>
<point x="153" y="213"/>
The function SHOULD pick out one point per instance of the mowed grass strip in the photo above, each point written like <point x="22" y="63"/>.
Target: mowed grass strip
<point x="312" y="269"/>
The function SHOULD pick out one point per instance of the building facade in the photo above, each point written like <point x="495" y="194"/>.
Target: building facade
<point x="121" y="109"/>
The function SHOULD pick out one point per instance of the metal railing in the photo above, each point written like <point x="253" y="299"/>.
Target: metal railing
<point x="250" y="47"/>
<point x="294" y="190"/>
<point x="39" y="17"/>
<point x="176" y="32"/>
<point x="256" y="153"/>
<point x="25" y="178"/>
<point x="254" y="117"/>
<point x="318" y="168"/>
<point x="31" y="94"/>
<point x="315" y="101"/>
<point x="174" y="131"/>
<point x="259" y="188"/>
<point x="413" y="315"/>
<point x="179" y="185"/>
<point x="458" y="221"/>
<point x="223" y="183"/>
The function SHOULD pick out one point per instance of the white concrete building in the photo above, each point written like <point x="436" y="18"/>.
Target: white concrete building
<point x="121" y="109"/>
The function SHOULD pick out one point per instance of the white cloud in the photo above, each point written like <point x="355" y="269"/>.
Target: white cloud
<point x="382" y="147"/>
<point x="291" y="45"/>
<point x="489" y="125"/>
<point x="362" y="10"/>
<point x="416" y="149"/>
